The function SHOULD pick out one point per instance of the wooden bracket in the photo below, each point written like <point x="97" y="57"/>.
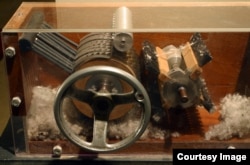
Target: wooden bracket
<point x="163" y="65"/>
<point x="191" y="61"/>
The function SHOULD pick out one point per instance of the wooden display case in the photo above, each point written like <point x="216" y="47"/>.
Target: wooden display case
<point x="224" y="28"/>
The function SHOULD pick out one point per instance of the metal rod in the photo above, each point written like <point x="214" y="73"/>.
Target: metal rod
<point x="42" y="48"/>
<point x="183" y="94"/>
<point x="61" y="42"/>
<point x="122" y="23"/>
<point x="47" y="26"/>
<point x="50" y="43"/>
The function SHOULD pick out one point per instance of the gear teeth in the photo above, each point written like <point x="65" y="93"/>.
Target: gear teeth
<point x="194" y="120"/>
<point x="186" y="121"/>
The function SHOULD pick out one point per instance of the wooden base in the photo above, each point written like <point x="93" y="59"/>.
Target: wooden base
<point x="191" y="140"/>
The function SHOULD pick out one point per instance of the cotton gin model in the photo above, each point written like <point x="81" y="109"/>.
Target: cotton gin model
<point x="89" y="87"/>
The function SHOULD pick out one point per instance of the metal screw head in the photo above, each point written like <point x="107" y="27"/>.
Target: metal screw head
<point x="16" y="101"/>
<point x="57" y="151"/>
<point x="231" y="147"/>
<point x="10" y="52"/>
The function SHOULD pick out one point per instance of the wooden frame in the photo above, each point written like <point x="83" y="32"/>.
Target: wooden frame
<point x="226" y="73"/>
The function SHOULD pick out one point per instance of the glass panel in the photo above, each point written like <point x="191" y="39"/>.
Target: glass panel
<point x="160" y="17"/>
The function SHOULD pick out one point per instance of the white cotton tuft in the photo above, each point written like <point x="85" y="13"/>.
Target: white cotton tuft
<point x="40" y="121"/>
<point x="234" y="119"/>
<point x="41" y="124"/>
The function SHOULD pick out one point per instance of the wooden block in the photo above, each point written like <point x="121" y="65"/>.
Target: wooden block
<point x="190" y="60"/>
<point x="163" y="65"/>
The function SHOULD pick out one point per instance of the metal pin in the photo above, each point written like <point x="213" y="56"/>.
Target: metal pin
<point x="183" y="94"/>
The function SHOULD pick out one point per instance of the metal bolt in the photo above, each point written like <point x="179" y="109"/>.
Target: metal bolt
<point x="57" y="151"/>
<point x="10" y="51"/>
<point x="231" y="147"/>
<point x="16" y="101"/>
